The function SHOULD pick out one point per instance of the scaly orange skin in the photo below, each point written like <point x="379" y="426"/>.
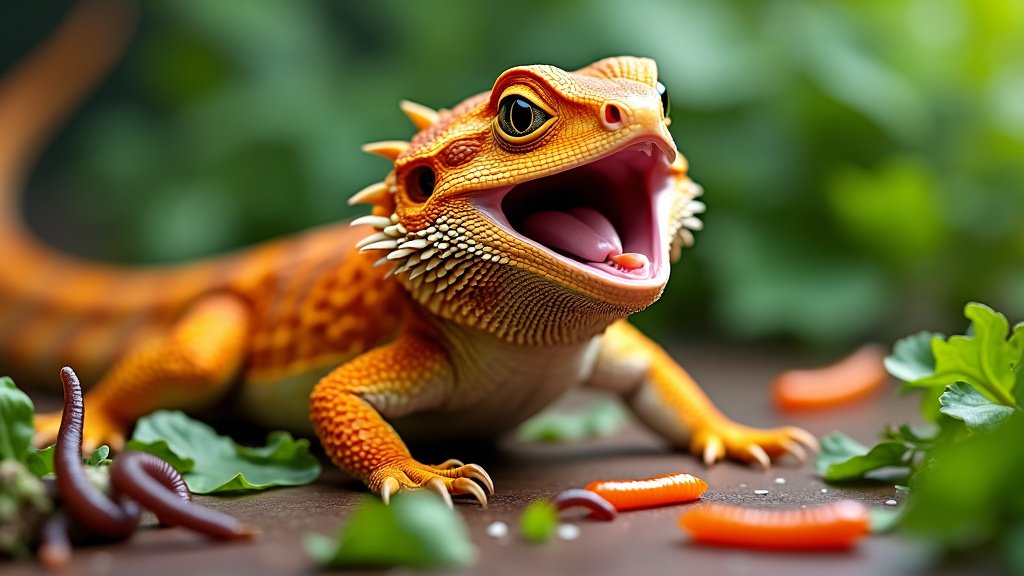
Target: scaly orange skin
<point x="470" y="330"/>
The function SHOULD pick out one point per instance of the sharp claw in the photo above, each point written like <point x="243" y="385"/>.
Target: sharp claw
<point x="449" y="464"/>
<point x="759" y="455"/>
<point x="467" y="486"/>
<point x="794" y="448"/>
<point x="389" y="487"/>
<point x="437" y="486"/>
<point x="713" y="450"/>
<point x="477" y="473"/>
<point x="804" y="437"/>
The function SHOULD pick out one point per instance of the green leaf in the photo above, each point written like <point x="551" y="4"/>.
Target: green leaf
<point x="906" y="434"/>
<point x="40" y="462"/>
<point x="987" y="360"/>
<point x="99" y="457"/>
<point x="1013" y="547"/>
<point x="842" y="458"/>
<point x="885" y="520"/>
<point x="598" y="420"/>
<point x="159" y="448"/>
<point x="969" y="493"/>
<point x="417" y="529"/>
<point x="16" y="426"/>
<point x="837" y="447"/>
<point x="963" y="402"/>
<point x="912" y="357"/>
<point x="211" y="463"/>
<point x="539" y="521"/>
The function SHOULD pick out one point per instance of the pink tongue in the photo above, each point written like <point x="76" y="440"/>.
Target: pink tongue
<point x="583" y="232"/>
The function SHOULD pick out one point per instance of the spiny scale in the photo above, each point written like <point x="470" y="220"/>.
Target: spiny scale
<point x="390" y="149"/>
<point x="376" y="193"/>
<point x="435" y="258"/>
<point x="421" y="116"/>
<point x="684" y="216"/>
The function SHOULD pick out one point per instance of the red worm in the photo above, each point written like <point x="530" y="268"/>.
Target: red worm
<point x="657" y="491"/>
<point x="600" y="509"/>
<point x="157" y="486"/>
<point x="89" y="507"/>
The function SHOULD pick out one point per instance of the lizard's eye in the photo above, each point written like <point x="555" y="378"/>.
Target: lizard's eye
<point x="520" y="121"/>
<point x="663" y="92"/>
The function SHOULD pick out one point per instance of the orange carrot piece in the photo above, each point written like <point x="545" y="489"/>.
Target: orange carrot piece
<point x="832" y="526"/>
<point x="856" y="376"/>
<point x="648" y="492"/>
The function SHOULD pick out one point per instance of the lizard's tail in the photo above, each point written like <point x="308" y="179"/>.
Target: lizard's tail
<point x="55" y="308"/>
<point x="39" y="93"/>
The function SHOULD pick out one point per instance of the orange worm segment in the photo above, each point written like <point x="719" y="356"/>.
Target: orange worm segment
<point x="854" y="377"/>
<point x="645" y="493"/>
<point x="832" y="526"/>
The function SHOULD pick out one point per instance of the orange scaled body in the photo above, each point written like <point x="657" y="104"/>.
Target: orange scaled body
<point x="513" y="236"/>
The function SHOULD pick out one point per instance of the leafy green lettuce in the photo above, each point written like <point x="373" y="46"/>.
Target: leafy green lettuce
<point x="417" y="529"/>
<point x="211" y="463"/>
<point x="601" y="418"/>
<point x="539" y="521"/>
<point x="16" y="428"/>
<point x="40" y="462"/>
<point x="971" y="384"/>
<point x="964" y="473"/>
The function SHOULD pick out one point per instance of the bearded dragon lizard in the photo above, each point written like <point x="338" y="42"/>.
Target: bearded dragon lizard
<point x="505" y="249"/>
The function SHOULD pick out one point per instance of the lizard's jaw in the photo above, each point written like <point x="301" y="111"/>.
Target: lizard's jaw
<point x="606" y="218"/>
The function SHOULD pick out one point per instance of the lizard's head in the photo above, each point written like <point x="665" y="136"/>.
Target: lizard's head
<point x="542" y="210"/>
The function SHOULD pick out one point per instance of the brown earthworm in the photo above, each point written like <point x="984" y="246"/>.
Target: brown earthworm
<point x="87" y="505"/>
<point x="158" y="487"/>
<point x="54" y="545"/>
<point x="144" y="478"/>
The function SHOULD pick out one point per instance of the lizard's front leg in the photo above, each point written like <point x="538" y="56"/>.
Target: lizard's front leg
<point x="348" y="407"/>
<point x="668" y="400"/>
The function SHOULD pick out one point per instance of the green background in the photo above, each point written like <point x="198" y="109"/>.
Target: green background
<point x="863" y="159"/>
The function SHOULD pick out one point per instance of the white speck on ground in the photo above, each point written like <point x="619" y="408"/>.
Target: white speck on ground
<point x="780" y="480"/>
<point x="568" y="532"/>
<point x="497" y="529"/>
<point x="891" y="502"/>
<point x="761" y="492"/>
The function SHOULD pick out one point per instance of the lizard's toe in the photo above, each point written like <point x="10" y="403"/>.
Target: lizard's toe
<point x="754" y="445"/>
<point x="467" y="486"/>
<point x="451" y="478"/>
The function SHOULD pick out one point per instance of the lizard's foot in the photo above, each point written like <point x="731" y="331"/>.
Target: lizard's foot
<point x="448" y="479"/>
<point x="99" y="429"/>
<point x="720" y="439"/>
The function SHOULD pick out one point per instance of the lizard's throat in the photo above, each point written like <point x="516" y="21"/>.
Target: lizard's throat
<point x="605" y="217"/>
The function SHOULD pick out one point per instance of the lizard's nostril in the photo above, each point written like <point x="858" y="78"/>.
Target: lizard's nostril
<point x="611" y="116"/>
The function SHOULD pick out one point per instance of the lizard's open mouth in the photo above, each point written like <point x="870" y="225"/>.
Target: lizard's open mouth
<point x="606" y="217"/>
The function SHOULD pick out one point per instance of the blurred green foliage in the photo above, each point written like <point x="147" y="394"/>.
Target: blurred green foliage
<point x="863" y="159"/>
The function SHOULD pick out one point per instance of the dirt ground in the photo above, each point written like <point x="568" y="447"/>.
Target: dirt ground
<point x="641" y="542"/>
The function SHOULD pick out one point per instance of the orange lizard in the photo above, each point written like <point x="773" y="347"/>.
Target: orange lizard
<point x="514" y="235"/>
